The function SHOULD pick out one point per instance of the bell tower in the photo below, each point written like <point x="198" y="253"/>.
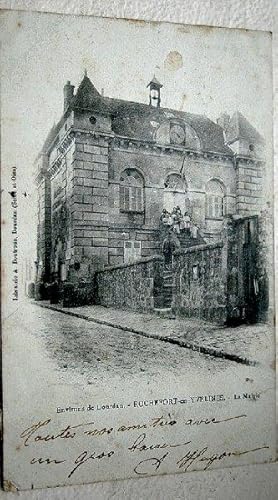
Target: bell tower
<point x="155" y="87"/>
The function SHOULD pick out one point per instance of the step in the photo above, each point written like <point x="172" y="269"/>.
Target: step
<point x="168" y="286"/>
<point x="163" y="312"/>
<point x="167" y="302"/>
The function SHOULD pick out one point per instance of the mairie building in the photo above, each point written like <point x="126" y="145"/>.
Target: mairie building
<point x="109" y="167"/>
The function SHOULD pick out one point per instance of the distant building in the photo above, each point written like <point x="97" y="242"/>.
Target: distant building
<point x="110" y="166"/>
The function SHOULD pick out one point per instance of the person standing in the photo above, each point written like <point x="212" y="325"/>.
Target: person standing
<point x="168" y="248"/>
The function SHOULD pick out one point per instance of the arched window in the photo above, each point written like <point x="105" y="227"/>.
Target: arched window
<point x="175" y="183"/>
<point x="131" y="191"/>
<point x="215" y="196"/>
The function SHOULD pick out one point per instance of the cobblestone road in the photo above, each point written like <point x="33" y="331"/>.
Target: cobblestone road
<point x="91" y="349"/>
<point x="86" y="352"/>
<point x="254" y="343"/>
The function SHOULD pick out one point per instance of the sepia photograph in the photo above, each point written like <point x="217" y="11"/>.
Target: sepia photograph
<point x="137" y="236"/>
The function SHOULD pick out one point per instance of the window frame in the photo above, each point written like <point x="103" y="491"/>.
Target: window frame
<point x="215" y="202"/>
<point x="131" y="197"/>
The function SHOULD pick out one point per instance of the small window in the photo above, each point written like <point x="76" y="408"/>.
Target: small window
<point x="132" y="251"/>
<point x="131" y="191"/>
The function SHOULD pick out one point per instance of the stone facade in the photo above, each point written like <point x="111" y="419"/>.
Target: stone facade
<point x="249" y="186"/>
<point x="44" y="240"/>
<point x="130" y="286"/>
<point x="109" y="167"/>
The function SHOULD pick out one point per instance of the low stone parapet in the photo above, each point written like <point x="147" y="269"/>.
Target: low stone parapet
<point x="133" y="286"/>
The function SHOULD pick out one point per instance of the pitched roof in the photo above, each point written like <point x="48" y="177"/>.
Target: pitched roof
<point x="86" y="94"/>
<point x="50" y="138"/>
<point x="135" y="119"/>
<point x="155" y="81"/>
<point x="240" y="128"/>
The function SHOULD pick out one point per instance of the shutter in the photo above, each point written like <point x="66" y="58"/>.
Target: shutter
<point x="126" y="198"/>
<point x="216" y="206"/>
<point x="133" y="198"/>
<point x="209" y="206"/>
<point x="139" y="200"/>
<point x="122" y="198"/>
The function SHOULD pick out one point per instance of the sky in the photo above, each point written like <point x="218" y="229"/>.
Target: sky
<point x="215" y="70"/>
<point x="203" y="70"/>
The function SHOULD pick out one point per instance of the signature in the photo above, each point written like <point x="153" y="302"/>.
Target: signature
<point x="203" y="455"/>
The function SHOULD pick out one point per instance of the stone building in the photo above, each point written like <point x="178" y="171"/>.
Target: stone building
<point x="110" y="166"/>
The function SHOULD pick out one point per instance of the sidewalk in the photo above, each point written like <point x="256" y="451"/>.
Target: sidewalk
<point x="248" y="344"/>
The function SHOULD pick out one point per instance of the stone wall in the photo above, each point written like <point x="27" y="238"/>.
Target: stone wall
<point x="90" y="202"/>
<point x="44" y="229"/>
<point x="249" y="186"/>
<point x="61" y="211"/>
<point x="266" y="266"/>
<point x="131" y="286"/>
<point x="199" y="284"/>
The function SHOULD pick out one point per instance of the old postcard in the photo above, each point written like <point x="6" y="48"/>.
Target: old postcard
<point x="137" y="249"/>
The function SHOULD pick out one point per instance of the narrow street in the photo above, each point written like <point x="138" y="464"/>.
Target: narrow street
<point x="78" y="351"/>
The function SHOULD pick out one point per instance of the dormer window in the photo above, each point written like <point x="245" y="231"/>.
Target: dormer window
<point x="92" y="120"/>
<point x="177" y="132"/>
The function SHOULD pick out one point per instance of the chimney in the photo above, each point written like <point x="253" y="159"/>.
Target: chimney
<point x="68" y="94"/>
<point x="223" y="121"/>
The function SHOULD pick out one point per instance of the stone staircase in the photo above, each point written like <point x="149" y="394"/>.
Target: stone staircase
<point x="163" y="308"/>
<point x="186" y="240"/>
<point x="167" y="287"/>
<point x="166" y="295"/>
